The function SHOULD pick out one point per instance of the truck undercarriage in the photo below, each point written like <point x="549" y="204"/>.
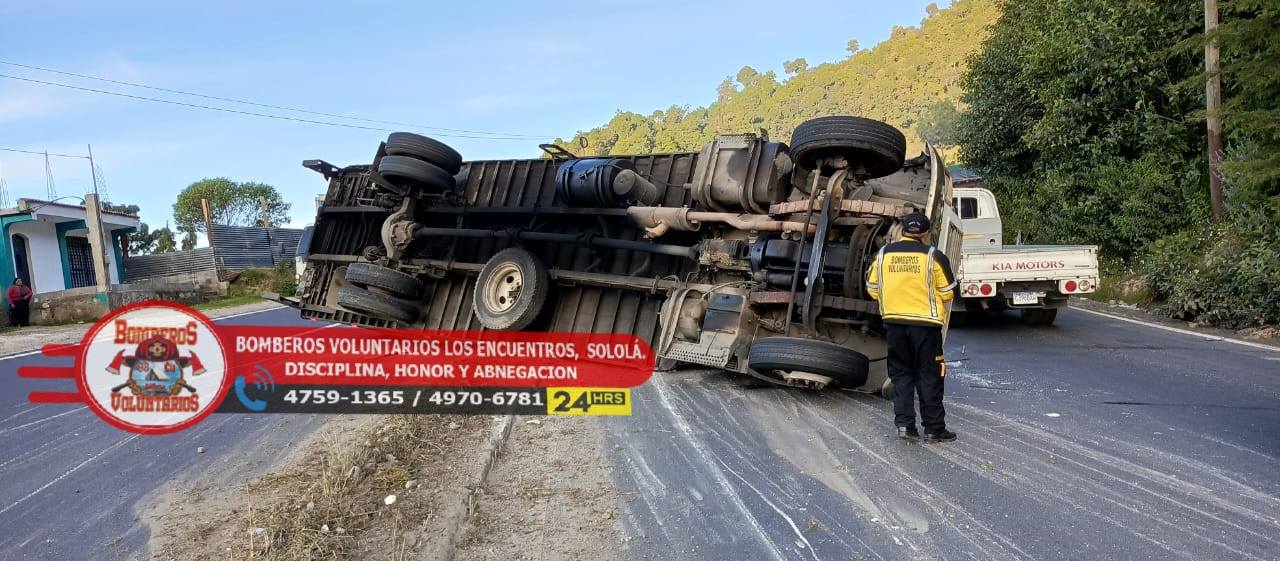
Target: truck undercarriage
<point x="747" y="256"/>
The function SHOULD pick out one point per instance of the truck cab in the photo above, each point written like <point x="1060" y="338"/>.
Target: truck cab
<point x="1036" y="280"/>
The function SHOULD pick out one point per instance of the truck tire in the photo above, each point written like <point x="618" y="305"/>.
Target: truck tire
<point x="877" y="148"/>
<point x="406" y="171"/>
<point x="377" y="304"/>
<point x="368" y="275"/>
<point x="846" y="367"/>
<point x="511" y="290"/>
<point x="1038" y="316"/>
<point x="426" y="149"/>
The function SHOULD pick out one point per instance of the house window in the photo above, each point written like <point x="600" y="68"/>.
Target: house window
<point x="80" y="262"/>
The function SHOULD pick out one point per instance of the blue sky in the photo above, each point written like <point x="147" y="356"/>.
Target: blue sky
<point x="509" y="67"/>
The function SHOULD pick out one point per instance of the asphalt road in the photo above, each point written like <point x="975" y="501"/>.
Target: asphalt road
<point x="1092" y="439"/>
<point x="70" y="484"/>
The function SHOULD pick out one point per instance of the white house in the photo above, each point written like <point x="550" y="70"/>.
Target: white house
<point x="47" y="245"/>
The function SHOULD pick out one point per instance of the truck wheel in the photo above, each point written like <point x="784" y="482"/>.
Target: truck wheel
<point x="406" y="171"/>
<point x="369" y="275"/>
<point x="426" y="149"/>
<point x="1039" y="317"/>
<point x="778" y="356"/>
<point x="511" y="290"/>
<point x="376" y="304"/>
<point x="878" y="148"/>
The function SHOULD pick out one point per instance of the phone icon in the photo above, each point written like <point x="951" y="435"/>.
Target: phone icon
<point x="262" y="382"/>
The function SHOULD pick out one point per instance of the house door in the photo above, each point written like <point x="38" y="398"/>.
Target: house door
<point x="80" y="261"/>
<point x="22" y="260"/>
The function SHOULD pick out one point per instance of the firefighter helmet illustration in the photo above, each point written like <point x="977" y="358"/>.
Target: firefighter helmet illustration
<point x="156" y="368"/>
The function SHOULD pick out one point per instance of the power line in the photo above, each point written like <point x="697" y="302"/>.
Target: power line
<point x="239" y="112"/>
<point x="43" y="153"/>
<point x="268" y="105"/>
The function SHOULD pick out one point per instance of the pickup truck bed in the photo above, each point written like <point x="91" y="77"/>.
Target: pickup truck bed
<point x="1028" y="262"/>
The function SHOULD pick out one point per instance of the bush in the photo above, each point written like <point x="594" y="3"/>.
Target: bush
<point x="1227" y="275"/>
<point x="286" y="278"/>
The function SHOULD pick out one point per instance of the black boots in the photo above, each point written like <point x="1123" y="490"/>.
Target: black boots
<point x="941" y="436"/>
<point x="908" y="433"/>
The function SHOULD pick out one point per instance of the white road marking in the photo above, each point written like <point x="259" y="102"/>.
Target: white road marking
<point x="215" y="320"/>
<point x="219" y="318"/>
<point x="67" y="473"/>
<point x="22" y="354"/>
<point x="1182" y="331"/>
<point x="38" y="421"/>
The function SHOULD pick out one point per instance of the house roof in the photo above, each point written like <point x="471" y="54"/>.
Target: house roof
<point x="61" y="212"/>
<point x="961" y="174"/>
<point x="27" y="202"/>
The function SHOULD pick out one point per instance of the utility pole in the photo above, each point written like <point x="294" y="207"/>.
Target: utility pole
<point x="266" y="216"/>
<point x="50" y="190"/>
<point x="1213" y="106"/>
<point x="97" y="243"/>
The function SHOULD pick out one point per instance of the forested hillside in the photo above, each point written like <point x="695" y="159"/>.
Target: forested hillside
<point x="909" y="80"/>
<point x="1087" y="118"/>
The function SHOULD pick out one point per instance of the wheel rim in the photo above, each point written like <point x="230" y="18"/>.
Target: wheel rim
<point x="503" y="289"/>
<point x="803" y="378"/>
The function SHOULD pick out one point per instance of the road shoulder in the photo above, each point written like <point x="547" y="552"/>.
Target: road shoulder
<point x="31" y="338"/>
<point x="1149" y="319"/>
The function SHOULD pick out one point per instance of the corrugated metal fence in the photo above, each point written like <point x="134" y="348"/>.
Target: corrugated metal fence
<point x="247" y="247"/>
<point x="142" y="267"/>
<point x="232" y="248"/>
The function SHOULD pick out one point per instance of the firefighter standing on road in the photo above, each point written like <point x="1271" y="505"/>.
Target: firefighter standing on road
<point x="914" y="284"/>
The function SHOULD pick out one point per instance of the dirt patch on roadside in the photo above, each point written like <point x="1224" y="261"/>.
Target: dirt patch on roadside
<point x="369" y="487"/>
<point x="550" y="496"/>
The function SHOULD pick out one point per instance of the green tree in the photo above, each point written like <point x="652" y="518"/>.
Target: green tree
<point x="230" y="203"/>
<point x="852" y="46"/>
<point x="1072" y="114"/>
<point x="795" y="66"/>
<point x="164" y="240"/>
<point x="141" y="242"/>
<point x="1249" y="36"/>
<point x="938" y="124"/>
<point x="188" y="240"/>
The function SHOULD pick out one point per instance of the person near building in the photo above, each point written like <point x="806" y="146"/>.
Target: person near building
<point x="914" y="284"/>
<point x="19" y="303"/>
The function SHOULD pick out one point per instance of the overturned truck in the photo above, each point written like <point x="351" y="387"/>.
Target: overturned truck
<point x="747" y="256"/>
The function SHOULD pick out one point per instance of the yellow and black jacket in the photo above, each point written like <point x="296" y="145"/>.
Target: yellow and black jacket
<point x="913" y="282"/>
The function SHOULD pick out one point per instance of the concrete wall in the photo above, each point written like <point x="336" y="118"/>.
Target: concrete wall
<point x="86" y="304"/>
<point x="46" y="259"/>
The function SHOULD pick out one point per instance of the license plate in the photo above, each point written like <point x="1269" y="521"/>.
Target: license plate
<point x="1024" y="298"/>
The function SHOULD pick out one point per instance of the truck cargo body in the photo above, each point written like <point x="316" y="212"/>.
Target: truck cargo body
<point x="702" y="254"/>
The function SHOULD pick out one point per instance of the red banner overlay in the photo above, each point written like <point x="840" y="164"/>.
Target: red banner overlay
<point x="159" y="367"/>
<point x="358" y="356"/>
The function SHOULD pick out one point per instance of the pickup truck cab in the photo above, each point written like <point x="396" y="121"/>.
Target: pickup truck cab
<point x="1034" y="279"/>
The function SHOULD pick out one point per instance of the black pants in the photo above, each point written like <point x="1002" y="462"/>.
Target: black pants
<point x="18" y="312"/>
<point x="916" y="366"/>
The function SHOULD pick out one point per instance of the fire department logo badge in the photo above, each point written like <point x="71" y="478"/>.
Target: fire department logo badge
<point x="155" y="367"/>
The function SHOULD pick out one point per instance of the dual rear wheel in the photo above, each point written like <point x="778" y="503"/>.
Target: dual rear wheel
<point x="413" y="161"/>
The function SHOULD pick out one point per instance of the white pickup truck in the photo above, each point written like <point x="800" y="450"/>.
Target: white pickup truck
<point x="1034" y="279"/>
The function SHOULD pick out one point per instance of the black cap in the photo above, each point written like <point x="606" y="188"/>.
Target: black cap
<point x="915" y="223"/>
